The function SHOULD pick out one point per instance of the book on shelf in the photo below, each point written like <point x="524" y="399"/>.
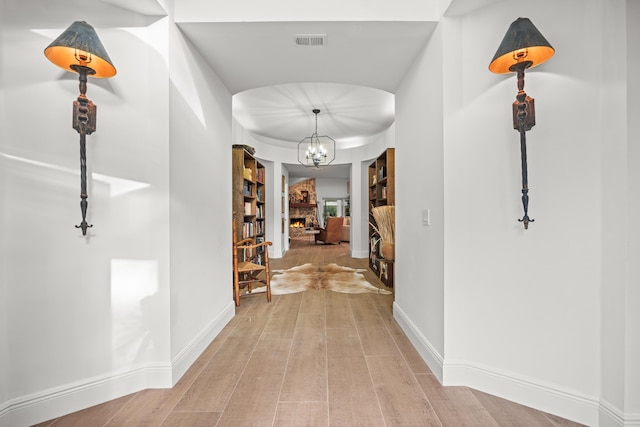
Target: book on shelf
<point x="247" y="173"/>
<point x="247" y="208"/>
<point x="247" y="188"/>
<point x="260" y="175"/>
<point x="259" y="250"/>
<point x="247" y="230"/>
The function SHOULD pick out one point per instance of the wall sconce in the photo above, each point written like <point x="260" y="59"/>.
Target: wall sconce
<point x="79" y="50"/>
<point x="523" y="47"/>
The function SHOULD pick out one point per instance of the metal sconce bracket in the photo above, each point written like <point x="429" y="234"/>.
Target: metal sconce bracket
<point x="84" y="121"/>
<point x="524" y="118"/>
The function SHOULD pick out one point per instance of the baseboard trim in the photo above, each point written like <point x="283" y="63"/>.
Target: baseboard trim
<point x="427" y="351"/>
<point x="526" y="391"/>
<point x="49" y="404"/>
<point x="194" y="349"/>
<point x="610" y="416"/>
<point x="55" y="402"/>
<point x="545" y="397"/>
<point x="359" y="254"/>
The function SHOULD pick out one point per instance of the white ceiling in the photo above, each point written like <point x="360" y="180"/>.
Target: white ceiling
<point x="247" y="55"/>
<point x="277" y="84"/>
<point x="284" y="112"/>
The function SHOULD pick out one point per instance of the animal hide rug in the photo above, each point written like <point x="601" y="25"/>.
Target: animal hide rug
<point x="331" y="277"/>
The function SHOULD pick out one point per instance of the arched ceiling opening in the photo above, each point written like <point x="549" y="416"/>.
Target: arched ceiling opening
<point x="284" y="112"/>
<point x="349" y="71"/>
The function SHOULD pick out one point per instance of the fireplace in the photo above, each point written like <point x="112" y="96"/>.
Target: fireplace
<point x="297" y="222"/>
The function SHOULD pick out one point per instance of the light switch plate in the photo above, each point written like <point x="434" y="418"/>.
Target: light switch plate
<point x="426" y="217"/>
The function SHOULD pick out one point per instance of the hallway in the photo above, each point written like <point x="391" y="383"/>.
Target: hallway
<point x="315" y="358"/>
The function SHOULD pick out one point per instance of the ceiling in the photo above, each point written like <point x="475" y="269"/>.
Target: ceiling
<point x="277" y="83"/>
<point x="247" y="55"/>
<point x="283" y="113"/>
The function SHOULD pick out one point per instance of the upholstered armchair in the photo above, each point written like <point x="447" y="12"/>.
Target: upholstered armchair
<point x="332" y="231"/>
<point x="346" y="229"/>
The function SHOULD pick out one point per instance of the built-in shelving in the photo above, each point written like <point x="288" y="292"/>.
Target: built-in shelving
<point x="381" y="193"/>
<point x="249" y="206"/>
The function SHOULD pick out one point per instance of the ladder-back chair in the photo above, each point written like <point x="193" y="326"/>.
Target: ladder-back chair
<point x="250" y="265"/>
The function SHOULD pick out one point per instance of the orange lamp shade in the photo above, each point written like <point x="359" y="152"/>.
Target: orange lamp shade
<point x="522" y="43"/>
<point x="79" y="45"/>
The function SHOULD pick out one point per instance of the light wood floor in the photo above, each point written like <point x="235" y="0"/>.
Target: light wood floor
<point x="315" y="358"/>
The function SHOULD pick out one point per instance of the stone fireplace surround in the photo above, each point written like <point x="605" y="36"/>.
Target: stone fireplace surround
<point x="306" y="214"/>
<point x="302" y="206"/>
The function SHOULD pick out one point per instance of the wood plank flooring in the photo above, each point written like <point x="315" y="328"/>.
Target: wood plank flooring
<point x="316" y="358"/>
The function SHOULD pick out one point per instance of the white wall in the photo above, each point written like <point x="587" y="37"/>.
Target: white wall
<point x="613" y="103"/>
<point x="200" y="177"/>
<point x="419" y="283"/>
<point x="522" y="309"/>
<point x="4" y="248"/>
<point x="131" y="305"/>
<point x="632" y="294"/>
<point x="517" y="301"/>
<point x="514" y="296"/>
<point x="96" y="306"/>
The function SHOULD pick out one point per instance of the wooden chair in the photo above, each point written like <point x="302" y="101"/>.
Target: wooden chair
<point x="332" y="231"/>
<point x="247" y="270"/>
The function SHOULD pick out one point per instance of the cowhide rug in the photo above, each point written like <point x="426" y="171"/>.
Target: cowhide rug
<point x="331" y="277"/>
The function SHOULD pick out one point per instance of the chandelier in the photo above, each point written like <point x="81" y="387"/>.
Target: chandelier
<point x="315" y="151"/>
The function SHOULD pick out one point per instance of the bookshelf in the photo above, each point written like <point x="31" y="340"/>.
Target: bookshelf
<point x="249" y="207"/>
<point x="381" y="193"/>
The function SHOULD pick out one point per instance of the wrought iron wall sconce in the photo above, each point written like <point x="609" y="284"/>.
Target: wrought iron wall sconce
<point x="78" y="49"/>
<point x="523" y="47"/>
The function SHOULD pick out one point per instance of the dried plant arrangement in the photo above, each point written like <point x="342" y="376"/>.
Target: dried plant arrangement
<point x="385" y="218"/>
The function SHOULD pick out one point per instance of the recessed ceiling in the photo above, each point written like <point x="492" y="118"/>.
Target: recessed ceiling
<point x="351" y="76"/>
<point x="284" y="112"/>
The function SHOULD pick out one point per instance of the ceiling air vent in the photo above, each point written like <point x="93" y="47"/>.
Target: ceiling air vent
<point x="310" y="40"/>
